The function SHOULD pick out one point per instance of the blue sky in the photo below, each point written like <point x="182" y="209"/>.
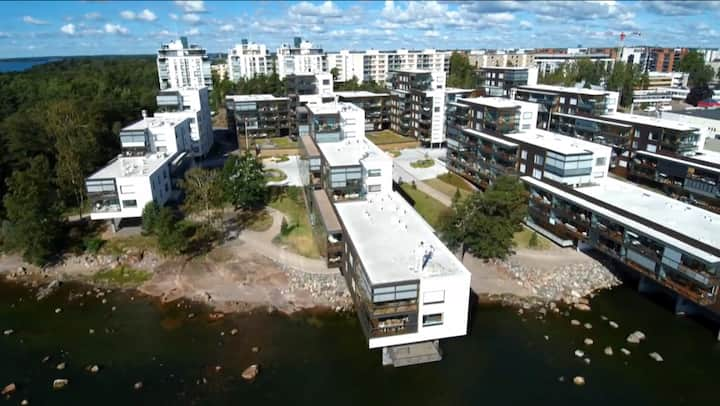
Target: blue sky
<point x="124" y="27"/>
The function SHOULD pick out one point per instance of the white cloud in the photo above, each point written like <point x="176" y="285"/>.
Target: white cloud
<point x="191" y="18"/>
<point x="193" y="31"/>
<point x="432" y="34"/>
<point x="145" y="15"/>
<point x="227" y="28"/>
<point x="94" y="15"/>
<point x="191" y="6"/>
<point x="34" y="21"/>
<point x="525" y="25"/>
<point x="115" y="29"/>
<point x="173" y="16"/>
<point x="326" y="9"/>
<point x="68" y="29"/>
<point x="499" y="17"/>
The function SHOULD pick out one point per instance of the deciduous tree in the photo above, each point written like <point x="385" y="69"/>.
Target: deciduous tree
<point x="244" y="182"/>
<point x="203" y="193"/>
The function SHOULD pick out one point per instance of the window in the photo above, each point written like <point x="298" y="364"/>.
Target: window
<point x="527" y="114"/>
<point x="326" y="82"/>
<point x="562" y="100"/>
<point x="522" y="168"/>
<point x="437" y="109"/>
<point x="435" y="296"/>
<point x="523" y="154"/>
<point x="600" y="161"/>
<point x="432" y="319"/>
<point x="129" y="203"/>
<point x="539" y="160"/>
<point x="374" y="188"/>
<point x="573" y="101"/>
<point x="127" y="189"/>
<point x="525" y="126"/>
<point x="537" y="174"/>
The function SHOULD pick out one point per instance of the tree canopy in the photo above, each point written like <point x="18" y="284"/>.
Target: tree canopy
<point x="33" y="224"/>
<point x="203" y="193"/>
<point x="462" y="74"/>
<point x="244" y="182"/>
<point x="484" y="223"/>
<point x="353" y="85"/>
<point x="693" y="63"/>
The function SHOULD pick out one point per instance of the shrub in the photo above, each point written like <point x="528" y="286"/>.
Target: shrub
<point x="150" y="216"/>
<point x="93" y="244"/>
<point x="284" y="227"/>
<point x="533" y="242"/>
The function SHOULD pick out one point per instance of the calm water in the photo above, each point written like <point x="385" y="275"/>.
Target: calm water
<point x="322" y="359"/>
<point x="18" y="65"/>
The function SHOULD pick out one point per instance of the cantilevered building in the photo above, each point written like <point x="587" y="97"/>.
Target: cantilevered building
<point x="258" y="115"/>
<point x="418" y="105"/>
<point x="375" y="105"/>
<point x="409" y="290"/>
<point x="181" y="65"/>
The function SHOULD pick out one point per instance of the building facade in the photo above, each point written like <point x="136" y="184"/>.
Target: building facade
<point x="247" y="60"/>
<point x="302" y="57"/>
<point x="375" y="105"/>
<point x="192" y="104"/>
<point x="258" y="115"/>
<point x="375" y="66"/>
<point x="499" y="58"/>
<point x="182" y="65"/>
<point x="499" y="81"/>
<point x="418" y="105"/>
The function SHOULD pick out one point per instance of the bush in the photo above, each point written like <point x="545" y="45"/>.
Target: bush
<point x="414" y="186"/>
<point x="93" y="245"/>
<point x="284" y="227"/>
<point x="172" y="235"/>
<point x="533" y="242"/>
<point x="150" y="216"/>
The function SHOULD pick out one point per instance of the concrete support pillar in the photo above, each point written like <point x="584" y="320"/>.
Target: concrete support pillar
<point x="115" y="225"/>
<point x="386" y="359"/>
<point x="645" y="286"/>
<point x="683" y="306"/>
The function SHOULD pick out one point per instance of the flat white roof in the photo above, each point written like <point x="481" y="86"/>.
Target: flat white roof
<point x="350" y="151"/>
<point x="690" y="221"/>
<point x="324" y="108"/>
<point x="708" y="156"/>
<point x="496" y="102"/>
<point x="360" y="93"/>
<point x="155" y="123"/>
<point x="386" y="232"/>
<point x="489" y="137"/>
<point x="647" y="120"/>
<point x="595" y="120"/>
<point x="458" y="90"/>
<point x="564" y="89"/>
<point x="680" y="160"/>
<point x="559" y="143"/>
<point x="125" y="167"/>
<point x="253" y="97"/>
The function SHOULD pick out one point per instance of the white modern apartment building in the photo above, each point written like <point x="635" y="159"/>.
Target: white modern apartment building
<point x="374" y="65"/>
<point x="300" y="58"/>
<point x="409" y="290"/>
<point x="247" y="60"/>
<point x="182" y="65"/>
<point x="500" y="58"/>
<point x="193" y="104"/>
<point x="547" y="63"/>
<point x="706" y="120"/>
<point x="141" y="174"/>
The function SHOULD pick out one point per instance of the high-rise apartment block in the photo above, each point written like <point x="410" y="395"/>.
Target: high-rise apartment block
<point x="418" y="105"/>
<point x="302" y="57"/>
<point x="247" y="60"/>
<point x="375" y="66"/>
<point x="181" y="65"/>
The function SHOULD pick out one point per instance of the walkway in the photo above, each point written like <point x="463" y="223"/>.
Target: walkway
<point x="400" y="174"/>
<point x="261" y="242"/>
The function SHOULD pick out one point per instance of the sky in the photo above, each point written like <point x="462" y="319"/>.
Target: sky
<point x="37" y="28"/>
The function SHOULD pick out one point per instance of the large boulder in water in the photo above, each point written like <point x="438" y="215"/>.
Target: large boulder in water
<point x="60" y="383"/>
<point x="635" y="337"/>
<point x="251" y="372"/>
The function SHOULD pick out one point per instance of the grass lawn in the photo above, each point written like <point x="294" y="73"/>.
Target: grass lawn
<point x="279" y="142"/>
<point x="446" y="188"/>
<point x="122" y="276"/>
<point x="260" y="221"/>
<point x="423" y="163"/>
<point x="388" y="137"/>
<point x="522" y="240"/>
<point x="394" y="153"/>
<point x="121" y="245"/>
<point x="300" y="238"/>
<point x="275" y="175"/>
<point x="429" y="208"/>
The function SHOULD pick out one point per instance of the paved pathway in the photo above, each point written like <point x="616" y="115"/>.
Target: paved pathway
<point x="261" y="243"/>
<point x="401" y="174"/>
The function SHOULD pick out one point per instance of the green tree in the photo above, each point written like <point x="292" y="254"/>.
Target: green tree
<point x="33" y="224"/>
<point x="172" y="235"/>
<point x="244" y="182"/>
<point x="693" y="63"/>
<point x="644" y="81"/>
<point x="335" y="72"/>
<point x="484" y="223"/>
<point x="203" y="193"/>
<point x="73" y="131"/>
<point x="150" y="215"/>
<point x="462" y="74"/>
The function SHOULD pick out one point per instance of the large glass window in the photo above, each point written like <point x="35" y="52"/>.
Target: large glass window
<point x="435" y="319"/>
